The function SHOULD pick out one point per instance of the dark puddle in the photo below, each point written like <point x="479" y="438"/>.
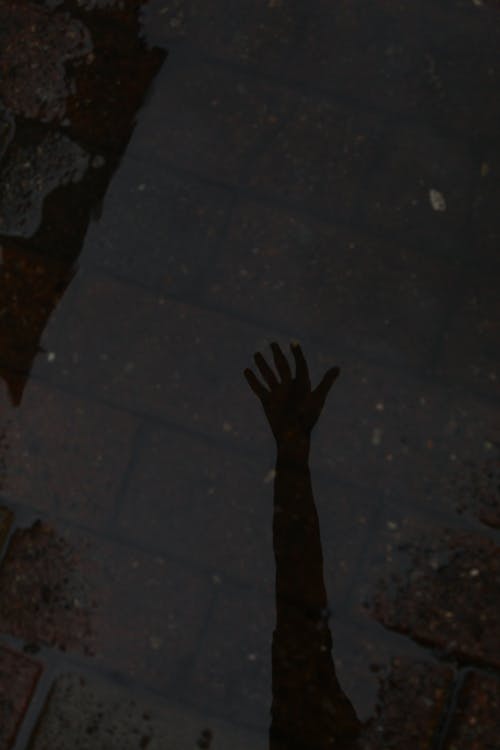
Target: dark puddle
<point x="165" y="582"/>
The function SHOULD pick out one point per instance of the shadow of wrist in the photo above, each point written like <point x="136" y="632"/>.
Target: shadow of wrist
<point x="293" y="449"/>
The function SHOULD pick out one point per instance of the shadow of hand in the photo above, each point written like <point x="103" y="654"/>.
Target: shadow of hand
<point x="291" y="406"/>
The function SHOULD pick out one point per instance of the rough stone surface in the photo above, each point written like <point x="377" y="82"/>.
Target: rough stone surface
<point x="475" y="722"/>
<point x="446" y="596"/>
<point x="35" y="46"/>
<point x="477" y="489"/>
<point x="410" y="705"/>
<point x="18" y="678"/>
<point x="30" y="173"/>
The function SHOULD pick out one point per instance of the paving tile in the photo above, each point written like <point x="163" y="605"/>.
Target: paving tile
<point x="475" y="722"/>
<point x="345" y="519"/>
<point x="150" y="354"/>
<point x="18" y="677"/>
<point x="129" y="611"/>
<point x="281" y="267"/>
<point x="204" y="504"/>
<point x="95" y="715"/>
<point x="184" y="220"/>
<point x="261" y="34"/>
<point x="212" y="506"/>
<point x="441" y="588"/>
<point x="65" y="455"/>
<point x="368" y="53"/>
<point x="407" y="439"/>
<point x="460" y="86"/>
<point x="184" y="364"/>
<point x="232" y="672"/>
<point x="485" y="219"/>
<point x="384" y="430"/>
<point x="469" y="352"/>
<point x="319" y="158"/>
<point x="410" y="708"/>
<point x="207" y="119"/>
<point x="412" y="162"/>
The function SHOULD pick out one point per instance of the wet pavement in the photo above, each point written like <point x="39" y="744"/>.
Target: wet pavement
<point x="186" y="563"/>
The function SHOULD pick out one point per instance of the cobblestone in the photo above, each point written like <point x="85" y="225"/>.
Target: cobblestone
<point x="411" y="703"/>
<point x="18" y="677"/>
<point x="447" y="596"/>
<point x="475" y="723"/>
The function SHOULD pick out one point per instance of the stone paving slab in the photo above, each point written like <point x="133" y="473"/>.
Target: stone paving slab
<point x="411" y="437"/>
<point x="320" y="157"/>
<point x="132" y="612"/>
<point x="485" y="217"/>
<point x="91" y="714"/>
<point x="184" y="219"/>
<point x="475" y="722"/>
<point x="259" y="33"/>
<point x="397" y="699"/>
<point x="459" y="87"/>
<point x="475" y="326"/>
<point x="204" y="503"/>
<point x="396" y="195"/>
<point x="216" y="119"/>
<point x="232" y="672"/>
<point x="64" y="455"/>
<point x="201" y="503"/>
<point x="442" y="589"/>
<point x="383" y="297"/>
<point x="161" y="358"/>
<point x="384" y="429"/>
<point x="18" y="677"/>
<point x="407" y="433"/>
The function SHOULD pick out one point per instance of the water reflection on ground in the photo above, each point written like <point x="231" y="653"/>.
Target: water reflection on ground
<point x="182" y="567"/>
